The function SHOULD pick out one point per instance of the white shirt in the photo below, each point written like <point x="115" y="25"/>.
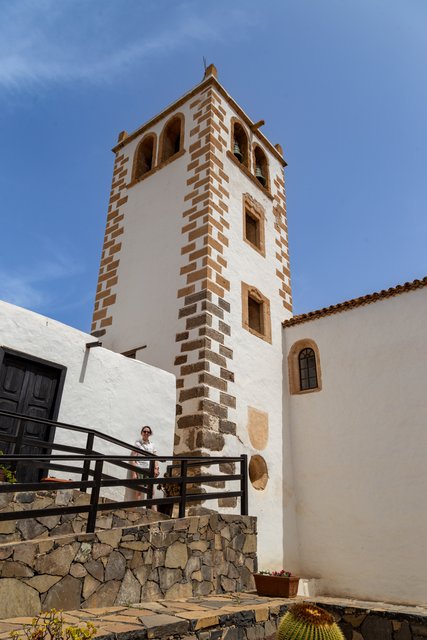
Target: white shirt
<point x="148" y="447"/>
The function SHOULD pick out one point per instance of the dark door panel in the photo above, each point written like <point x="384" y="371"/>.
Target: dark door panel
<point x="31" y="387"/>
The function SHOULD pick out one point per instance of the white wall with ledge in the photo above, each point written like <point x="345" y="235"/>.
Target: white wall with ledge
<point x="358" y="450"/>
<point x="103" y="390"/>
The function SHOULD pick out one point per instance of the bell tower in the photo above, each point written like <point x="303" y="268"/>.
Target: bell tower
<point x="194" y="276"/>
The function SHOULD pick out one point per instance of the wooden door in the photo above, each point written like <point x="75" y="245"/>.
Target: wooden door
<point x="33" y="388"/>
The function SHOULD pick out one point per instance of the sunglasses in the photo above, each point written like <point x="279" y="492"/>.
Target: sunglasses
<point x="146" y="431"/>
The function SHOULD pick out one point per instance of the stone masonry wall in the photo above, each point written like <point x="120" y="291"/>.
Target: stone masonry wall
<point x="379" y="621"/>
<point x="186" y="557"/>
<point x="51" y="526"/>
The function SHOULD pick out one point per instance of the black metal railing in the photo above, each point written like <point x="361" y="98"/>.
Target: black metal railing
<point x="95" y="471"/>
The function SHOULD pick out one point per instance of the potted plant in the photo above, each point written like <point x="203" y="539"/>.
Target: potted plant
<point x="279" y="584"/>
<point x="6" y="475"/>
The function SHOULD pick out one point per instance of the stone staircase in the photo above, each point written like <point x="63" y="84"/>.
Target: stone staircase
<point x="134" y="555"/>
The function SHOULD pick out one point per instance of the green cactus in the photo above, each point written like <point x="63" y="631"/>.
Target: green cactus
<point x="305" y="621"/>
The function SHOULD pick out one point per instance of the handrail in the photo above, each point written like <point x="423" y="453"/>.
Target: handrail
<point x="67" y="426"/>
<point x="89" y="465"/>
<point x="100" y="480"/>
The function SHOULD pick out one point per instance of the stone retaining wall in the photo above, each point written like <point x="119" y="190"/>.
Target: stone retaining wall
<point x="30" y="528"/>
<point x="179" y="558"/>
<point x="378" y="621"/>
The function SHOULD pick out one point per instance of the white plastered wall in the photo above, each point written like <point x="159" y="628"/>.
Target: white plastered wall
<point x="102" y="390"/>
<point x="146" y="309"/>
<point x="359" y="451"/>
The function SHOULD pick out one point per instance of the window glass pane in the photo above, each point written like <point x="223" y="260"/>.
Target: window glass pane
<point x="252" y="230"/>
<point x="255" y="315"/>
<point x="307" y="369"/>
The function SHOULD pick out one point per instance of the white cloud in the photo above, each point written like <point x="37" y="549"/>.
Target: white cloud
<point x="50" y="41"/>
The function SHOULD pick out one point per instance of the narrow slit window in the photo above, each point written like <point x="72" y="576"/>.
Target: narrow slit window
<point x="255" y="315"/>
<point x="256" y="312"/>
<point x="252" y="230"/>
<point x="307" y="369"/>
<point x="253" y="223"/>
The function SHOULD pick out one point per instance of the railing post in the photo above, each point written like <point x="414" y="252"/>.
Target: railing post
<point x="150" y="487"/>
<point x="97" y="477"/>
<point x="86" y="465"/>
<point x="18" y="443"/>
<point x="183" y="487"/>
<point x="19" y="436"/>
<point x="244" y="484"/>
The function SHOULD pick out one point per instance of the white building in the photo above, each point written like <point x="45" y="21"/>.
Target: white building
<point x="357" y="445"/>
<point x="194" y="279"/>
<point x="51" y="371"/>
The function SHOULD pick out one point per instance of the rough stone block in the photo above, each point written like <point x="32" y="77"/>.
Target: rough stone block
<point x="16" y="570"/>
<point x="176" y="556"/>
<point x="116" y="566"/>
<point x="130" y="590"/>
<point x="57" y="562"/>
<point x="65" y="594"/>
<point x="18" y="599"/>
<point x="376" y="628"/>
<point x="105" y="596"/>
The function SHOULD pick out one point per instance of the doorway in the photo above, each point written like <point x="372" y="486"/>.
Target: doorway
<point x="32" y="387"/>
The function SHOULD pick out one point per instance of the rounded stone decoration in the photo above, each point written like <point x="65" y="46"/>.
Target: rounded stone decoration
<point x="258" y="472"/>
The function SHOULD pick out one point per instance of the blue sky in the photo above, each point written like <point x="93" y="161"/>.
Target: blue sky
<point x="341" y="85"/>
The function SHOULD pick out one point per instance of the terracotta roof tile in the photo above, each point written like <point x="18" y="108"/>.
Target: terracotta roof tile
<point x="356" y="302"/>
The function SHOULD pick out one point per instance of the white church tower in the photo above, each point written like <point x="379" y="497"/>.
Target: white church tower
<point x="195" y="279"/>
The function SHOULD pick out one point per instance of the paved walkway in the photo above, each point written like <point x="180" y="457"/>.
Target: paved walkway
<point x="220" y="616"/>
<point x="237" y="616"/>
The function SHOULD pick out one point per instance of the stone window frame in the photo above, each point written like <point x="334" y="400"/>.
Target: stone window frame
<point x="293" y="366"/>
<point x="249" y="291"/>
<point x="256" y="211"/>
<point x="136" y="178"/>
<point x="176" y="116"/>
<point x="266" y="164"/>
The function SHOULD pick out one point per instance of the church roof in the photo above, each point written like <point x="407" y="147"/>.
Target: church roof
<point x="356" y="302"/>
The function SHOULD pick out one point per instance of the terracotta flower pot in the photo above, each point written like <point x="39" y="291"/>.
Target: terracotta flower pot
<point x="276" y="586"/>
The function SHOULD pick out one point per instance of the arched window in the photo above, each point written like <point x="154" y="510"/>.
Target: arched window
<point x="172" y="138"/>
<point x="144" y="156"/>
<point x="304" y="367"/>
<point x="307" y="369"/>
<point x="261" y="167"/>
<point x="240" y="144"/>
